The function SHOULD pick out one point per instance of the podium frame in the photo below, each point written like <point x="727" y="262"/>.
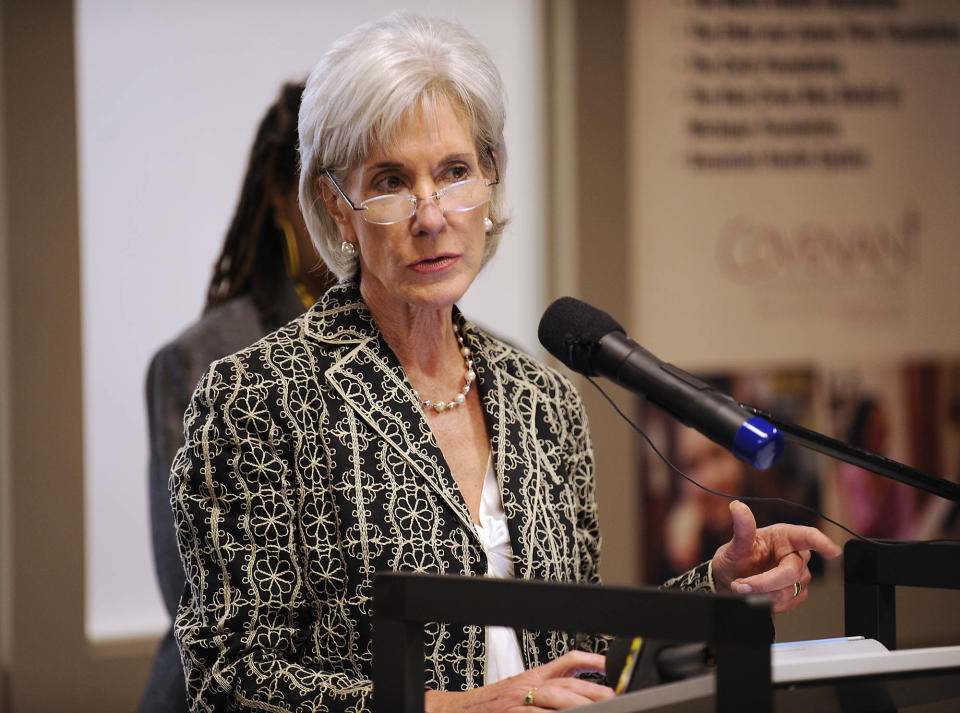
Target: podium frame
<point x="736" y="627"/>
<point x="871" y="573"/>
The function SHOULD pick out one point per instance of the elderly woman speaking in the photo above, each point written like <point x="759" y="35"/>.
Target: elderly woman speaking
<point x="382" y="431"/>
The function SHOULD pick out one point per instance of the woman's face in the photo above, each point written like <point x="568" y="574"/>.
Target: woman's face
<point x="430" y="259"/>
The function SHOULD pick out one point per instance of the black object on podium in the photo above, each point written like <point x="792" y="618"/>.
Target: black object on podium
<point x="871" y="572"/>
<point x="737" y="628"/>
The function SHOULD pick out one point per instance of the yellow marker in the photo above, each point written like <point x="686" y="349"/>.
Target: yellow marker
<point x="631" y="663"/>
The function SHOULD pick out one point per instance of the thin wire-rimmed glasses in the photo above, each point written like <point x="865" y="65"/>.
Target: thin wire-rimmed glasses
<point x="392" y="208"/>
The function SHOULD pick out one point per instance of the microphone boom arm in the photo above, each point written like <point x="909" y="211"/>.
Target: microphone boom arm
<point x="861" y="458"/>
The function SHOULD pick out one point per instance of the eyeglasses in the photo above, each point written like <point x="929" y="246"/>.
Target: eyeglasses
<point x="392" y="208"/>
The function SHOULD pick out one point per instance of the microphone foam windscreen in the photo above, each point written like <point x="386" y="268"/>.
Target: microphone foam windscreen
<point x="570" y="329"/>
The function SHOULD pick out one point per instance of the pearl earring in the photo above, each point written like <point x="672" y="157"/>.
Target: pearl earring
<point x="487" y="224"/>
<point x="348" y="248"/>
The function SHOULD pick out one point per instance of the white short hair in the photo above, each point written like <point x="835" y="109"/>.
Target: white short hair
<point x="361" y="91"/>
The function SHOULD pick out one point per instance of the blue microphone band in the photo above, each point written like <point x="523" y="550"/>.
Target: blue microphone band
<point x="758" y="443"/>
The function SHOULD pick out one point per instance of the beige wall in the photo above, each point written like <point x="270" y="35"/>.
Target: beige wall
<point x="50" y="666"/>
<point x="605" y="272"/>
<point x="6" y="615"/>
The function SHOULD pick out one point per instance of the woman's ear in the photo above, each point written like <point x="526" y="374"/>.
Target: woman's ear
<point x="332" y="199"/>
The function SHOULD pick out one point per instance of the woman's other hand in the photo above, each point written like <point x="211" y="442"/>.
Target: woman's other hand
<point x="772" y="560"/>
<point x="552" y="687"/>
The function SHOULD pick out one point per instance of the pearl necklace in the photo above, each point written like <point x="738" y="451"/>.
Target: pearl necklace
<point x="469" y="377"/>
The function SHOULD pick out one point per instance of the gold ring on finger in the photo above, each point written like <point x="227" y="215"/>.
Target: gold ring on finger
<point x="797" y="587"/>
<point x="528" y="699"/>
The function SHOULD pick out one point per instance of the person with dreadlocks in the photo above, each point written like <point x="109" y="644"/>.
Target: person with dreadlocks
<point x="268" y="272"/>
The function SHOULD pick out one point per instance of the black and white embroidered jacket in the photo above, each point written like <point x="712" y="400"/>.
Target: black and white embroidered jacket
<point x="308" y="466"/>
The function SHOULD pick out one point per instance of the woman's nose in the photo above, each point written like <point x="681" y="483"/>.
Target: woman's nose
<point x="428" y="217"/>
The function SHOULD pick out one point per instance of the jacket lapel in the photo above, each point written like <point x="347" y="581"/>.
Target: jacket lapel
<point x="498" y="394"/>
<point x="372" y="383"/>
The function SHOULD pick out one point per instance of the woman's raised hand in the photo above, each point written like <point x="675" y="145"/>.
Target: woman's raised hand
<point x="772" y="560"/>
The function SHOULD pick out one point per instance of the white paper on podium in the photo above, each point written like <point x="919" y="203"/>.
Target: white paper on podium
<point x="819" y="660"/>
<point x="852" y="656"/>
<point x="839" y="647"/>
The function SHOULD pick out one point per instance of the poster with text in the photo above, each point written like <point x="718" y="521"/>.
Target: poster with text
<point x="795" y="168"/>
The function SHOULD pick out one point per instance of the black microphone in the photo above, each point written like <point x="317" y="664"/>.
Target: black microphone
<point x="591" y="342"/>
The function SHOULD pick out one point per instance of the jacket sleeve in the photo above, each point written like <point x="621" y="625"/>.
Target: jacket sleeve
<point x="698" y="579"/>
<point x="245" y="625"/>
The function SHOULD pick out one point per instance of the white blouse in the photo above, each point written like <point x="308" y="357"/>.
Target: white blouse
<point x="504" y="658"/>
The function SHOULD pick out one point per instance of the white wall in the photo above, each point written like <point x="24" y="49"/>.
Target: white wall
<point x="169" y="96"/>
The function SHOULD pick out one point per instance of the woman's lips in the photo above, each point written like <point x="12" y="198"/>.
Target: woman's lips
<point x="434" y="264"/>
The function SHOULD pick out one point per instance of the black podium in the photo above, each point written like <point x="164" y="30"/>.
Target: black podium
<point x="871" y="573"/>
<point x="735" y="627"/>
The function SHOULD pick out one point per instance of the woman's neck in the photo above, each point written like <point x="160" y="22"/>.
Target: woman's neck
<point x="422" y="338"/>
<point x="423" y="341"/>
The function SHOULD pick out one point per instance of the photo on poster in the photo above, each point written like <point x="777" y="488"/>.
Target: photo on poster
<point x="908" y="411"/>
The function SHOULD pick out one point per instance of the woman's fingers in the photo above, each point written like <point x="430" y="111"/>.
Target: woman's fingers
<point x="573" y="663"/>
<point x="553" y="686"/>
<point x="787" y="571"/>
<point x="560" y="693"/>
<point x="785" y="584"/>
<point x="790" y="597"/>
<point x="744" y="530"/>
<point x="801" y="537"/>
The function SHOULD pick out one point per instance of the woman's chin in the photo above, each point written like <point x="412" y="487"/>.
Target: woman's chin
<point x="440" y="294"/>
<point x="435" y="292"/>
